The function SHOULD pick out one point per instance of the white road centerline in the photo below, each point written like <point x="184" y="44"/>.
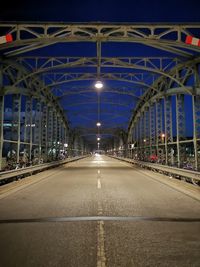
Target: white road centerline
<point x="98" y="183"/>
<point x="101" y="257"/>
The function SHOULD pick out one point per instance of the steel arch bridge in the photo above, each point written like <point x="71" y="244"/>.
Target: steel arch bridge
<point x="150" y="104"/>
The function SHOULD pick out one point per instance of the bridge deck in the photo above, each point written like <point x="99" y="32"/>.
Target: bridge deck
<point x="99" y="211"/>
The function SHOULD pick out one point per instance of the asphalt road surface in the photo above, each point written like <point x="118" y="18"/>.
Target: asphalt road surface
<point x="98" y="212"/>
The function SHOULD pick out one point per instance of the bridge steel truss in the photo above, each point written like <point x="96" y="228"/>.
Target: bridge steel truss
<point x="38" y="132"/>
<point x="164" y="83"/>
<point x="155" y="112"/>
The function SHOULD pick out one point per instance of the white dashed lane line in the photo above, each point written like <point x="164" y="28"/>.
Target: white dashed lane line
<point x="99" y="184"/>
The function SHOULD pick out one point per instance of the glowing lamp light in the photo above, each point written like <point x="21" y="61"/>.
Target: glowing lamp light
<point x="98" y="124"/>
<point x="163" y="135"/>
<point x="98" y="138"/>
<point x="98" y="85"/>
<point x="65" y="145"/>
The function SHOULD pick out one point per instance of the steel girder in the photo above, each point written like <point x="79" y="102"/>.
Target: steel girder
<point x="174" y="75"/>
<point x="157" y="65"/>
<point x="59" y="78"/>
<point x="29" y="134"/>
<point x="31" y="36"/>
<point x="107" y="90"/>
<point x="165" y="86"/>
<point x="170" y="148"/>
<point x="13" y="71"/>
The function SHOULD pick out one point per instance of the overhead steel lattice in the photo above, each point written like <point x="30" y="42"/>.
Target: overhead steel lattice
<point x="149" y="106"/>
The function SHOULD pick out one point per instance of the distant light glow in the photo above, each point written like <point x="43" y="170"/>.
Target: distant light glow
<point x="98" y="85"/>
<point x="98" y="138"/>
<point x="145" y="140"/>
<point x="163" y="135"/>
<point x="98" y="124"/>
<point x="65" y="145"/>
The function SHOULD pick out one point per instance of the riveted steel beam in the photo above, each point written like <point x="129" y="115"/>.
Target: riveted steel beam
<point x="169" y="37"/>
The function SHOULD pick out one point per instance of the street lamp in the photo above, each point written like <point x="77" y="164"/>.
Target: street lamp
<point x="98" y="124"/>
<point x="162" y="137"/>
<point x="98" y="85"/>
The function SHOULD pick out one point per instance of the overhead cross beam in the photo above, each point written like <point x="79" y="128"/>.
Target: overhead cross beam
<point x="157" y="65"/>
<point x="121" y="91"/>
<point x="31" y="36"/>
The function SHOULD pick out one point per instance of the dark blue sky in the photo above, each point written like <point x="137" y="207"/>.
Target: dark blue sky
<point x="102" y="10"/>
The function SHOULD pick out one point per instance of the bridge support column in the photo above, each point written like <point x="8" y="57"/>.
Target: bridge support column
<point x="160" y="137"/>
<point x="196" y="129"/>
<point x="50" y="132"/>
<point x="137" y="137"/>
<point x="59" y="133"/>
<point x="28" y="129"/>
<point x="16" y="124"/>
<point x="55" y="134"/>
<point x="1" y="128"/>
<point x="169" y="156"/>
<point x="180" y="127"/>
<point x="142" y="149"/>
<point x="152" y="119"/>
<point x="146" y="134"/>
<point x="38" y="131"/>
<point x="44" y="140"/>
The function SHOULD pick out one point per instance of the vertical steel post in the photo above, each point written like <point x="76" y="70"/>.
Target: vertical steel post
<point x="1" y="128"/>
<point x="142" y="135"/>
<point x="16" y="127"/>
<point x="28" y="124"/>
<point x="180" y="127"/>
<point x="31" y="129"/>
<point x="160" y="136"/>
<point x="50" y="130"/>
<point x="55" y="132"/>
<point x="19" y="128"/>
<point x="44" y="132"/>
<point x="38" y="127"/>
<point x="168" y="129"/>
<point x="147" y="134"/>
<point x="152" y="128"/>
<point x="196" y="128"/>
<point x="59" y="132"/>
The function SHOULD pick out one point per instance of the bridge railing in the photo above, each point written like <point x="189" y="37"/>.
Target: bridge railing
<point x="7" y="176"/>
<point x="183" y="174"/>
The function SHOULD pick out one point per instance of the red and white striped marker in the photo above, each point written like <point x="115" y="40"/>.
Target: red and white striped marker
<point x="192" y="40"/>
<point x="6" y="39"/>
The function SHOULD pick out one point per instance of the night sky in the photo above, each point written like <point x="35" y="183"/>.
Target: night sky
<point x="102" y="10"/>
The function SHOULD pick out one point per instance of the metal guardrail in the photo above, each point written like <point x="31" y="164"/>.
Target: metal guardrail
<point x="192" y="176"/>
<point x="7" y="175"/>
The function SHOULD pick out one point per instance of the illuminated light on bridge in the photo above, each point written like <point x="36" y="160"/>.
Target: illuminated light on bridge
<point x="98" y="85"/>
<point x="98" y="124"/>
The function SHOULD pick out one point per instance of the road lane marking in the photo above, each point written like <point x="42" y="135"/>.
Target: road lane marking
<point x="99" y="184"/>
<point x="101" y="257"/>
